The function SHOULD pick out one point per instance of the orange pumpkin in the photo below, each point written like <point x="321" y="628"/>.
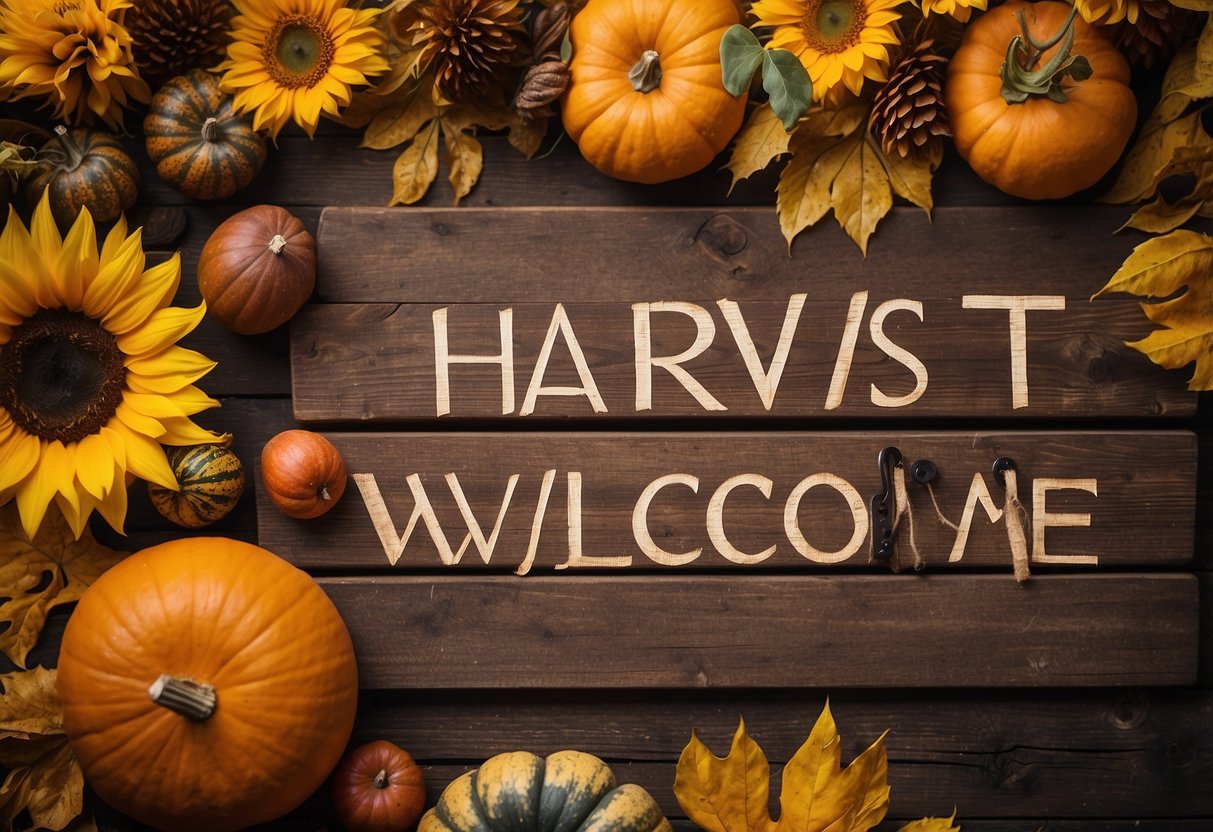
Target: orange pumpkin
<point x="1044" y="147"/>
<point x="378" y="787"/>
<point x="303" y="473"/>
<point x="645" y="100"/>
<point x="207" y="685"/>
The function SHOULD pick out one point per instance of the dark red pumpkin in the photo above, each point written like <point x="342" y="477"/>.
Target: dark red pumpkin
<point x="84" y="168"/>
<point x="198" y="144"/>
<point x="378" y="787"/>
<point x="257" y="269"/>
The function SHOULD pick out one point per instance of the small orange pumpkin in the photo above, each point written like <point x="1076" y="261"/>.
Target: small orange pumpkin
<point x="378" y="787"/>
<point x="207" y="685"/>
<point x="303" y="473"/>
<point x="645" y="101"/>
<point x="1042" y="147"/>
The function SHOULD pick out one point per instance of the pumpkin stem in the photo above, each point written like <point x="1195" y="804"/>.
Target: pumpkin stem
<point x="277" y="244"/>
<point x="210" y="129"/>
<point x="75" y="155"/>
<point x="646" y="75"/>
<point x="380" y="780"/>
<point x="324" y="492"/>
<point x="193" y="700"/>
<point x="1020" y="81"/>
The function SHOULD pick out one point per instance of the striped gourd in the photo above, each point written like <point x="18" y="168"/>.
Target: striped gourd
<point x="84" y="168"/>
<point x="211" y="479"/>
<point x="198" y="144"/>
<point x="569" y="791"/>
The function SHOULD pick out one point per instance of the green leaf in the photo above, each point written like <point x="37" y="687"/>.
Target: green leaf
<point x="566" y="48"/>
<point x="740" y="56"/>
<point x="787" y="83"/>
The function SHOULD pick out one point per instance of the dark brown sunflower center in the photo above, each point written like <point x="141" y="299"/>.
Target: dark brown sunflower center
<point x="832" y="26"/>
<point x="298" y="51"/>
<point x="61" y="375"/>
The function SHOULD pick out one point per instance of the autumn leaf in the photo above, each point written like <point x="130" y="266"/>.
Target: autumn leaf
<point x="932" y="825"/>
<point x="762" y="140"/>
<point x="399" y="123"/>
<point x="1159" y="268"/>
<point x="29" y="705"/>
<point x="36" y="575"/>
<point x="417" y="167"/>
<point x="731" y="794"/>
<point x="464" y="158"/>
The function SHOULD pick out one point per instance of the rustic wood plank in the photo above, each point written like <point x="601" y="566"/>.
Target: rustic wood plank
<point x="375" y="349"/>
<point x="770" y="631"/>
<point x="1145" y="482"/>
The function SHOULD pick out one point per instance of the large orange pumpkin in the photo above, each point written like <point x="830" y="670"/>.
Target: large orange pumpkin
<point x="207" y="685"/>
<point x="1040" y="148"/>
<point x="645" y="101"/>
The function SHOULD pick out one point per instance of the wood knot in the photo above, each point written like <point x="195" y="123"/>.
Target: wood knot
<point x="724" y="235"/>
<point x="1130" y="711"/>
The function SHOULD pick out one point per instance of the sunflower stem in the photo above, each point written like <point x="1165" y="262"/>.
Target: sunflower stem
<point x="380" y="781"/>
<point x="75" y="155"/>
<point x="193" y="700"/>
<point x="646" y="74"/>
<point x="210" y="129"/>
<point x="277" y="244"/>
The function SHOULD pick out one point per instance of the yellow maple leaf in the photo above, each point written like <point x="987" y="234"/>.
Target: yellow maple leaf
<point x="932" y="825"/>
<point x="35" y="575"/>
<point x="29" y="705"/>
<point x="1160" y="268"/>
<point x="761" y="141"/>
<point x="732" y="793"/>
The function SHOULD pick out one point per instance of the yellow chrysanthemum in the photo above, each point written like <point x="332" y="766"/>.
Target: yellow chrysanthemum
<point x="840" y="42"/>
<point x="91" y="378"/>
<point x="299" y="58"/>
<point x="959" y="10"/>
<point x="1107" y="12"/>
<point x="74" y="53"/>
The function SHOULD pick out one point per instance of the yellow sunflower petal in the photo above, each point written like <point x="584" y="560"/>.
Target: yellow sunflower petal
<point x="134" y="421"/>
<point x="94" y="465"/>
<point x="145" y="459"/>
<point x="113" y="506"/>
<point x="19" y="453"/>
<point x="152" y="293"/>
<point x="75" y="512"/>
<point x="77" y="261"/>
<point x="164" y="327"/>
<point x="121" y="266"/>
<point x="183" y="431"/>
<point x="52" y="475"/>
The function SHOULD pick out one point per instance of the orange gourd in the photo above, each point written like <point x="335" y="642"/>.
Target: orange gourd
<point x="303" y="473"/>
<point x="1048" y="145"/>
<point x="378" y="787"/>
<point x="645" y="101"/>
<point x="207" y="685"/>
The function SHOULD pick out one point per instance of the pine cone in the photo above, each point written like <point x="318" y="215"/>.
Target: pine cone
<point x="1158" y="33"/>
<point x="908" y="116"/>
<point x="171" y="37"/>
<point x="467" y="42"/>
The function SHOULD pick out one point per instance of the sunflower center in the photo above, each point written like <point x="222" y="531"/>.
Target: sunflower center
<point x="832" y="26"/>
<point x="61" y="375"/>
<point x="298" y="51"/>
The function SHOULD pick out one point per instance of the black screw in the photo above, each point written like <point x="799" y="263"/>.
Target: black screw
<point x="923" y="471"/>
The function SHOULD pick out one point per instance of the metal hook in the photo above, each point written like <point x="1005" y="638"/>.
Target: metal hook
<point x="881" y="505"/>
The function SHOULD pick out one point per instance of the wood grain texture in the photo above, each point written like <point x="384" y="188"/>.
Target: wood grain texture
<point x="1143" y="512"/>
<point x="770" y="631"/>
<point x="367" y="352"/>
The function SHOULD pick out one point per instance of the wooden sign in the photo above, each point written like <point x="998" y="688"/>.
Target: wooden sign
<point x="651" y="313"/>
<point x="581" y="502"/>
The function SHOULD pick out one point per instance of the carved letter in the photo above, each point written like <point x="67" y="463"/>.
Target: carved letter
<point x="640" y="521"/>
<point x="898" y="354"/>
<point x="846" y="350"/>
<point x="484" y="547"/>
<point x="576" y="558"/>
<point x="1042" y="519"/>
<point x="645" y="360"/>
<point x="1018" y="306"/>
<point x="791" y="521"/>
<point x="393" y="544"/>
<point x="766" y="382"/>
<point x="443" y="361"/>
<point x="560" y="323"/>
<point x="716" y="518"/>
<point x="978" y="493"/>
<point x="541" y="508"/>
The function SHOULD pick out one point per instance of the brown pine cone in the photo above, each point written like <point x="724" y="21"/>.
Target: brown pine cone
<point x="171" y="37"/>
<point x="908" y="115"/>
<point x="468" y="43"/>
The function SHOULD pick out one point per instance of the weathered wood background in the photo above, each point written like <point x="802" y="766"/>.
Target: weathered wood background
<point x="996" y="702"/>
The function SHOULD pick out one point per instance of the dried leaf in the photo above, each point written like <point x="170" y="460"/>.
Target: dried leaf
<point x="417" y="167"/>
<point x="760" y="142"/>
<point x="932" y="825"/>
<point x="1146" y="163"/>
<point x="731" y="794"/>
<point x="400" y="122"/>
<point x="526" y="135"/>
<point x="29" y="704"/>
<point x="802" y="197"/>
<point x="464" y="159"/>
<point x="861" y="192"/>
<point x="43" y="779"/>
<point x="36" y="575"/>
<point x="1194" y="5"/>
<point x="911" y="179"/>
<point x="1159" y="268"/>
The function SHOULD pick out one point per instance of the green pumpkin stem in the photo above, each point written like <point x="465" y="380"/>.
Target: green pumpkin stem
<point x="210" y="130"/>
<point x="193" y="700"/>
<point x="646" y="75"/>
<point x="380" y="781"/>
<point x="1020" y="81"/>
<point x="75" y="154"/>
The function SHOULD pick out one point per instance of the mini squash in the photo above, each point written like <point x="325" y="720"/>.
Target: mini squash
<point x="211" y="480"/>
<point x="206" y="685"/>
<point x="378" y="787"/>
<point x="196" y="141"/>
<point x="84" y="168"/>
<point x="1028" y="143"/>
<point x="645" y="101"/>
<point x="303" y="473"/>
<point x="566" y="791"/>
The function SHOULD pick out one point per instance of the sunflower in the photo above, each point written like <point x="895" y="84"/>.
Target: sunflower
<point x="1107" y="12"/>
<point x="91" y="379"/>
<point x="299" y="58"/>
<point x="840" y="42"/>
<point x="958" y="10"/>
<point x="74" y="53"/>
